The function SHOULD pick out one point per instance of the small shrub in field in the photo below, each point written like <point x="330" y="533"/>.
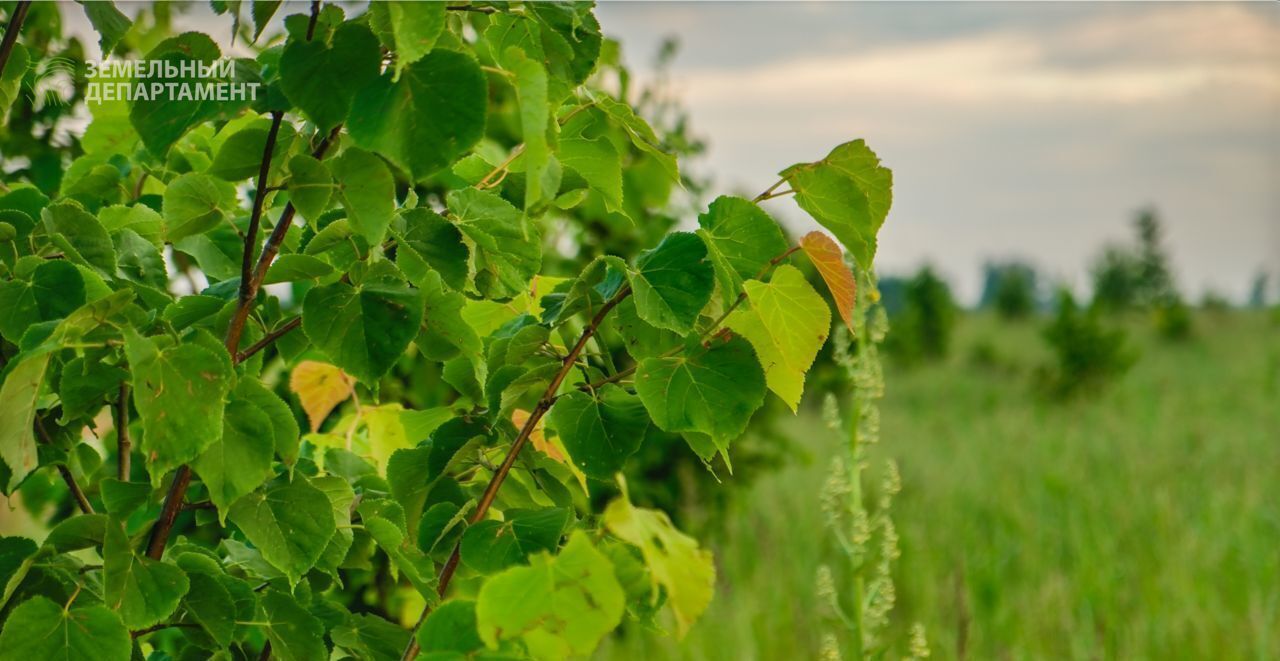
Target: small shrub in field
<point x="922" y="330"/>
<point x="1010" y="289"/>
<point x="1088" y="354"/>
<point x="1172" y="319"/>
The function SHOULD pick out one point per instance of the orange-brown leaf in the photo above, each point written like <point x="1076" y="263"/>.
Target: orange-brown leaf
<point x="538" y="437"/>
<point x="825" y="254"/>
<point x="320" y="387"/>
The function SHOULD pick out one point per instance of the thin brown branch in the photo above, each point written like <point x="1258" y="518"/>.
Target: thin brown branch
<point x="163" y="625"/>
<point x="737" y="302"/>
<point x="182" y="477"/>
<point x="495" y="483"/>
<point x="72" y="485"/>
<point x="265" y="342"/>
<point x="259" y="200"/>
<point x="478" y="10"/>
<point x="124" y="446"/>
<point x="315" y="16"/>
<point x="169" y="512"/>
<point x="11" y="32"/>
<point x="765" y="195"/>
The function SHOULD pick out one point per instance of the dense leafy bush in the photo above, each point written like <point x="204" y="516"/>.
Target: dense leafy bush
<point x="1088" y="354"/>
<point x="373" y="346"/>
<point x="922" y="328"/>
<point x="1010" y="289"/>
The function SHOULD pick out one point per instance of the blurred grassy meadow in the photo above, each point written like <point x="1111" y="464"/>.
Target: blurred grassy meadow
<point x="1138" y="522"/>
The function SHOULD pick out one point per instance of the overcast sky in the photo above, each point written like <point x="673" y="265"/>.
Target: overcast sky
<point x="1014" y="129"/>
<point x="1031" y="130"/>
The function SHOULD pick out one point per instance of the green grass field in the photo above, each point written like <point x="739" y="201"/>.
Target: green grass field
<point x="1142" y="522"/>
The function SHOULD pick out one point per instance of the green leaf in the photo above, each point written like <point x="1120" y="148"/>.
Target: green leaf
<point x="41" y="629"/>
<point x="139" y="261"/>
<point x="296" y="267"/>
<point x="367" y="191"/>
<point x="531" y="90"/>
<point x="428" y="118"/>
<point x="323" y="80"/>
<point x="78" y="532"/>
<point x="445" y="334"/>
<point x="310" y="186"/>
<point x="490" y="546"/>
<point x="84" y="385"/>
<point x="558" y="606"/>
<point x="340" y="497"/>
<point x="15" y="69"/>
<point x="15" y="556"/>
<point x="585" y="148"/>
<point x="741" y="240"/>
<point x="507" y="246"/>
<point x="240" y="461"/>
<point x="295" y="634"/>
<point x="211" y="605"/>
<point x="290" y="524"/>
<point x="179" y="393"/>
<point x="415" y="26"/>
<point x="262" y="12"/>
<point x="20" y="394"/>
<point x="164" y="118"/>
<point x="364" y="330"/>
<point x="849" y="193"/>
<point x="141" y="219"/>
<point x="142" y="590"/>
<point x="641" y="134"/>
<point x="713" y="391"/>
<point x="407" y="558"/>
<point x="284" y="427"/>
<point x="787" y="323"/>
<point x="123" y="498"/>
<point x="109" y="22"/>
<point x="600" y="430"/>
<point x="194" y="204"/>
<point x="673" y="282"/>
<point x="371" y="638"/>
<point x="81" y="236"/>
<point x="240" y="156"/>
<point x="56" y="289"/>
<point x="431" y="242"/>
<point x="685" y="572"/>
<point x="451" y="628"/>
<point x="413" y="472"/>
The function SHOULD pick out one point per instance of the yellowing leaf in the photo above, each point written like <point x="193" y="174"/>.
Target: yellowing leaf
<point x="826" y="255"/>
<point x="538" y="437"/>
<point x="320" y="387"/>
<point x="685" y="571"/>
<point x="786" y="324"/>
<point x="386" y="432"/>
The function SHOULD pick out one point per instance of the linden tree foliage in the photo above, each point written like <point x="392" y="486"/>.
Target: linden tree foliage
<point x="353" y="366"/>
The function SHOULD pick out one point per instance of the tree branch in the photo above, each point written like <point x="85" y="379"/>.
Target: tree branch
<point x="124" y="446"/>
<point x="315" y="16"/>
<point x="495" y="483"/>
<point x="769" y="193"/>
<point x="259" y="200"/>
<point x="271" y="337"/>
<point x="163" y="625"/>
<point x="182" y="477"/>
<point x="72" y="485"/>
<point x="11" y="32"/>
<point x="705" y="334"/>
